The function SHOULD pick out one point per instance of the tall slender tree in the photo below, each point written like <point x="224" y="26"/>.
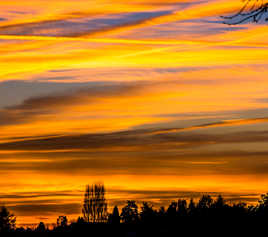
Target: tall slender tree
<point x="95" y="205"/>
<point x="86" y="205"/>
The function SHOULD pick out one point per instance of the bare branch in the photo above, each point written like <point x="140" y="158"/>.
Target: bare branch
<point x="253" y="10"/>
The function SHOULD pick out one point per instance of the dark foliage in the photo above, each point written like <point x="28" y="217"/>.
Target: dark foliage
<point x="206" y="216"/>
<point x="129" y="214"/>
<point x="7" y="220"/>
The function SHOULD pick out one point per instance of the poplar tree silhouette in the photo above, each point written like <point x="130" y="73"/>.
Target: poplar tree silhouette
<point x="95" y="205"/>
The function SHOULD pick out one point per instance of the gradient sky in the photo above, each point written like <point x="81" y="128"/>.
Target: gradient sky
<point x="156" y="98"/>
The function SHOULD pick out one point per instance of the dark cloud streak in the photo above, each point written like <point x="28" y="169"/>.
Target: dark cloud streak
<point x="42" y="105"/>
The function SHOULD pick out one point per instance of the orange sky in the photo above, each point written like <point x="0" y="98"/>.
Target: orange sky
<point x="158" y="99"/>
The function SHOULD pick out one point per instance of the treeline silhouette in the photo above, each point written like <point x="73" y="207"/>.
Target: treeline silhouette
<point x="206" y="216"/>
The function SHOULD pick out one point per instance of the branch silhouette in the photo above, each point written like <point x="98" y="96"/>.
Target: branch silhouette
<point x="253" y="10"/>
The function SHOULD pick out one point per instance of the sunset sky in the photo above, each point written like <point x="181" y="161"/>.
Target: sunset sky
<point x="158" y="99"/>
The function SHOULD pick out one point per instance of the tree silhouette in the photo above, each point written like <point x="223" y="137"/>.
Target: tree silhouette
<point x="7" y="220"/>
<point x="262" y="208"/>
<point x="161" y="215"/>
<point x="205" y="202"/>
<point x="219" y="202"/>
<point x="172" y="211"/>
<point x="264" y="200"/>
<point x="204" y="205"/>
<point x="114" y="218"/>
<point x="182" y="207"/>
<point x="191" y="208"/>
<point x="207" y="216"/>
<point x="41" y="227"/>
<point x="147" y="213"/>
<point x="95" y="205"/>
<point x="80" y="220"/>
<point x="62" y="221"/>
<point x="252" y="10"/>
<point x="129" y="214"/>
